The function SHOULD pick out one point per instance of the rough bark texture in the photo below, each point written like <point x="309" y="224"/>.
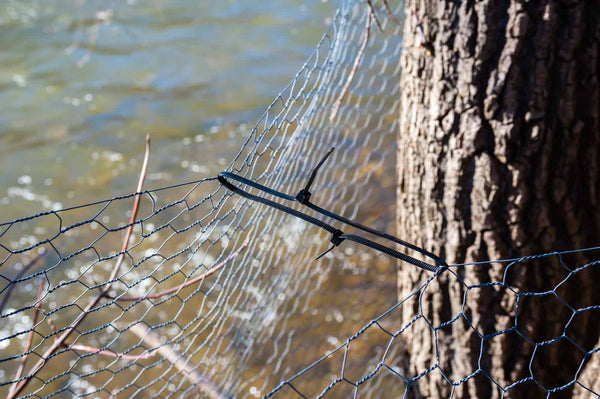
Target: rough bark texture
<point x="498" y="156"/>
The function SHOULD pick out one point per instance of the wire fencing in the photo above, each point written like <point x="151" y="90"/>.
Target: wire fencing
<point x="411" y="316"/>
<point x="187" y="290"/>
<point x="194" y="291"/>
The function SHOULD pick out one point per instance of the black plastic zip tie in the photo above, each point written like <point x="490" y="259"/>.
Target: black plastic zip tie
<point x="338" y="236"/>
<point x="303" y="196"/>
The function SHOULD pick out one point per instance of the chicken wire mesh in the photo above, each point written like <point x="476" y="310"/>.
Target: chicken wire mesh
<point x="197" y="301"/>
<point x="514" y="310"/>
<point x="204" y="299"/>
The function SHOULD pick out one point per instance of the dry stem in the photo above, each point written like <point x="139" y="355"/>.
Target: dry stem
<point x="389" y="12"/>
<point x="27" y="266"/>
<point x="372" y="13"/>
<point x="60" y="341"/>
<point x="136" y="206"/>
<point x="108" y="352"/>
<point x="188" y="283"/>
<point x="29" y="338"/>
<point x="193" y="376"/>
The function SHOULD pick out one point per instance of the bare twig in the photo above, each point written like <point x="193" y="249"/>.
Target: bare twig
<point x="136" y="206"/>
<point x="389" y="12"/>
<point x="29" y="338"/>
<point x="27" y="266"/>
<point x="336" y="105"/>
<point x="372" y="13"/>
<point x="188" y="283"/>
<point x="107" y="352"/>
<point x="152" y="339"/>
<point x="60" y="341"/>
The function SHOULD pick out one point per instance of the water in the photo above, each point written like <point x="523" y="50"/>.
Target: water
<point x="83" y="82"/>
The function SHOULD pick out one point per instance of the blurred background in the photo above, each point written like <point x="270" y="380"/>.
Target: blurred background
<point x="82" y="82"/>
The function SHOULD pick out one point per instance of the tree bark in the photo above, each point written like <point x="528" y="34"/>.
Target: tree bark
<point x="498" y="157"/>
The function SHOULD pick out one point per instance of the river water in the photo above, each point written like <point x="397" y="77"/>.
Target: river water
<point x="83" y="82"/>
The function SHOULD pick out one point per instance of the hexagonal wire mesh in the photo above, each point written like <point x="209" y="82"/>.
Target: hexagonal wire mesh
<point x="519" y="310"/>
<point x="198" y="299"/>
<point x="198" y="302"/>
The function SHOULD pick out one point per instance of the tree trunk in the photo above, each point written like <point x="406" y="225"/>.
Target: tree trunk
<point x="498" y="157"/>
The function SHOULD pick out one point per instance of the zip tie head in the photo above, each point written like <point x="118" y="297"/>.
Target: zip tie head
<point x="303" y="196"/>
<point x="336" y="239"/>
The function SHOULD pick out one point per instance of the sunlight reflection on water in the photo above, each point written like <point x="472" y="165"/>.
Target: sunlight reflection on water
<point x="83" y="82"/>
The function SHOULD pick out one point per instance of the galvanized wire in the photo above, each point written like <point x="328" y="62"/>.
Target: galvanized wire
<point x="207" y="299"/>
<point x="209" y="281"/>
<point x="347" y="382"/>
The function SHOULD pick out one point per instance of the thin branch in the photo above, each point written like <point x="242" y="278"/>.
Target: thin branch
<point x="29" y="338"/>
<point x="27" y="266"/>
<point x="108" y="352"/>
<point x="336" y="105"/>
<point x="372" y="12"/>
<point x="136" y="206"/>
<point x="154" y="340"/>
<point x="60" y="341"/>
<point x="187" y="283"/>
<point x="389" y="12"/>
